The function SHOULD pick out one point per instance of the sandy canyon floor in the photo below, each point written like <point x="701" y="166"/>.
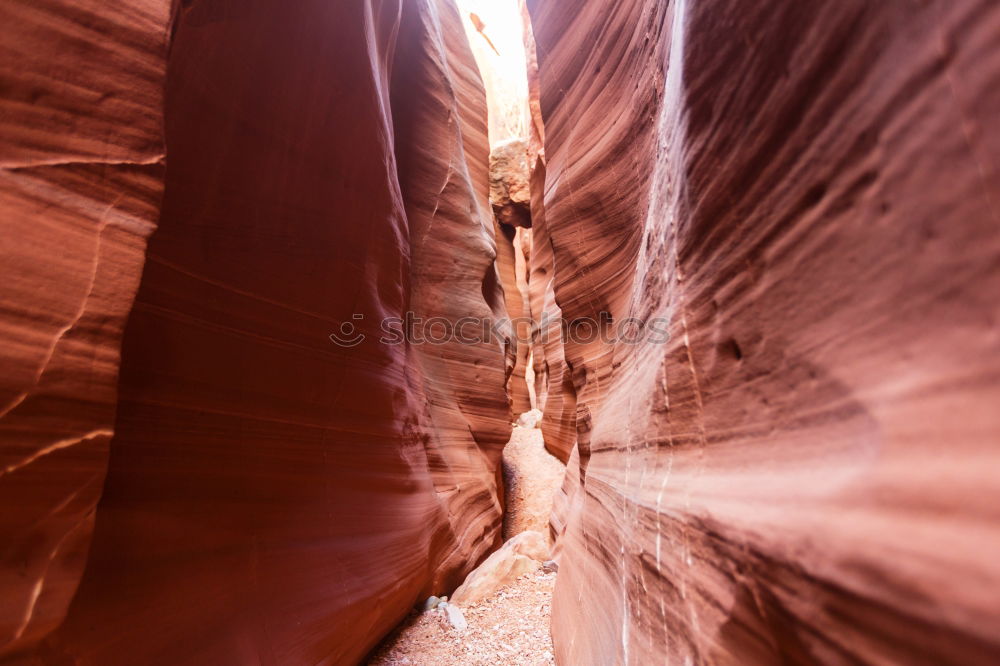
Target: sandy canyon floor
<point x="512" y="626"/>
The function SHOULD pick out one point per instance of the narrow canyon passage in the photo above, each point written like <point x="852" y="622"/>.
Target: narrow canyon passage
<point x="508" y="622"/>
<point x="501" y="612"/>
<point x="586" y="332"/>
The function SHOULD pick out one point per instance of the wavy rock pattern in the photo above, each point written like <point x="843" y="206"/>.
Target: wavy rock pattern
<point x="499" y="48"/>
<point x="554" y="391"/>
<point x="271" y="497"/>
<point x="80" y="187"/>
<point x="807" y="194"/>
<point x="513" y="247"/>
<point x="467" y="416"/>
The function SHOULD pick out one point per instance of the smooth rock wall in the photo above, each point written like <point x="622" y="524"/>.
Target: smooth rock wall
<point x="806" y="193"/>
<point x="271" y="497"/>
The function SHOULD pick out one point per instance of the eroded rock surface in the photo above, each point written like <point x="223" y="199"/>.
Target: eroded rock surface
<point x="500" y="36"/>
<point x="554" y="390"/>
<point x="805" y="193"/>
<point x="510" y="199"/>
<point x="513" y="250"/>
<point x="454" y="275"/>
<point x="80" y="185"/>
<point x="272" y="496"/>
<point x="510" y="189"/>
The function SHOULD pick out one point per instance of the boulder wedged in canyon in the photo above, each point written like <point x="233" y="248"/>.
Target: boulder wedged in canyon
<point x="520" y="555"/>
<point x="510" y="199"/>
<point x="510" y="176"/>
<point x="80" y="186"/>
<point x="804" y="195"/>
<point x="272" y="495"/>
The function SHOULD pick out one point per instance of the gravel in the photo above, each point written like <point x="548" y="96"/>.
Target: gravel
<point x="512" y="626"/>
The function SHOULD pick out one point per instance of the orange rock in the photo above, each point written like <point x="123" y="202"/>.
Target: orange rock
<point x="510" y="192"/>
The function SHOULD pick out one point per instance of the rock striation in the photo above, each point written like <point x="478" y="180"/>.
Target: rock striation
<point x="467" y="418"/>
<point x="499" y="35"/>
<point x="554" y="391"/>
<point x="81" y="178"/>
<point x="804" y="196"/>
<point x="272" y="495"/>
<point x="762" y="264"/>
<point x="513" y="250"/>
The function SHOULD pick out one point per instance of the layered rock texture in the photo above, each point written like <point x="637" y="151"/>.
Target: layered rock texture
<point x="805" y="196"/>
<point x="513" y="250"/>
<point x="510" y="199"/>
<point x="81" y="178"/>
<point x="762" y="265"/>
<point x="554" y="391"/>
<point x="503" y="47"/>
<point x="272" y="496"/>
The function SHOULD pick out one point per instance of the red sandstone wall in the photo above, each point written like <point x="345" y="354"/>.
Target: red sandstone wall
<point x="439" y="111"/>
<point x="510" y="260"/>
<point x="271" y="497"/>
<point x="553" y="385"/>
<point x="81" y="178"/>
<point x="807" y="192"/>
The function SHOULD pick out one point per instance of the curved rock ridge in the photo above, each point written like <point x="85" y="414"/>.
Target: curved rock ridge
<point x="806" y="194"/>
<point x="80" y="186"/>
<point x="513" y="250"/>
<point x="548" y="365"/>
<point x="554" y="391"/>
<point x="454" y="275"/>
<point x="499" y="33"/>
<point x="272" y="496"/>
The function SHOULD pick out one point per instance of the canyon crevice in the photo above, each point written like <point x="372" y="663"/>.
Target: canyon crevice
<point x="744" y="258"/>
<point x="805" y="194"/>
<point x="271" y="496"/>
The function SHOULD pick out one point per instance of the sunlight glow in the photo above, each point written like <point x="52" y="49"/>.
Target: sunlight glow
<point x="495" y="31"/>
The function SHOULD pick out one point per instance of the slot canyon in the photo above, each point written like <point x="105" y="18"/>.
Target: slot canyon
<point x="587" y="332"/>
